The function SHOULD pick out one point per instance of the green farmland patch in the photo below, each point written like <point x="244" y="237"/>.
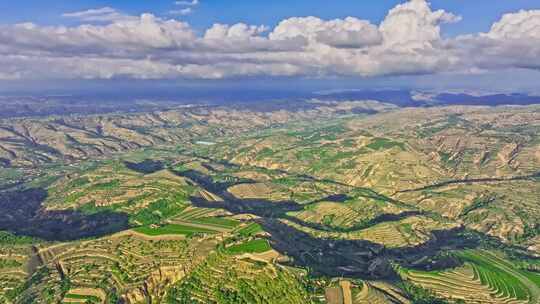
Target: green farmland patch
<point x="254" y="246"/>
<point x="385" y="144"/>
<point x="250" y="230"/>
<point x="5" y="263"/>
<point x="10" y="239"/>
<point x="501" y="275"/>
<point x="172" y="229"/>
<point x="114" y="184"/>
<point x="158" y="211"/>
<point x="217" y="221"/>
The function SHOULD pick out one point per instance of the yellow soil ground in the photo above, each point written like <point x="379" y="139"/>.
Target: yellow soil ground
<point x="268" y="256"/>
<point x="259" y="191"/>
<point x="333" y="295"/>
<point x="85" y="292"/>
<point x="346" y="290"/>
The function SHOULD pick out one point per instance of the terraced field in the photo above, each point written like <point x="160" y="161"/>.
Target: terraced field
<point x="485" y="278"/>
<point x="12" y="275"/>
<point x="84" y="296"/>
<point x="223" y="279"/>
<point x="113" y="186"/>
<point x="411" y="231"/>
<point x="44" y="284"/>
<point x="285" y="212"/>
<point x="393" y="235"/>
<point x="172" y="229"/>
<point x="122" y="264"/>
<point x="378" y="293"/>
<point x="17" y="261"/>
<point x="352" y="214"/>
<point x="503" y="276"/>
<point x="201" y="218"/>
<point x="253" y="246"/>
<point x="266" y="191"/>
<point x="430" y="146"/>
<point x="137" y="264"/>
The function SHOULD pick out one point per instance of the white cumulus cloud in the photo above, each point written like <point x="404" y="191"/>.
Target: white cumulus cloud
<point x="104" y="14"/>
<point x="109" y="44"/>
<point x="182" y="12"/>
<point x="348" y="33"/>
<point x="188" y="3"/>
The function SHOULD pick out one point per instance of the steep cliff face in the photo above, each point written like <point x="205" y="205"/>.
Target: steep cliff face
<point x="160" y="280"/>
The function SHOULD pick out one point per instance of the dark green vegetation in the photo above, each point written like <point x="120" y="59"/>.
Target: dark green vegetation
<point x="9" y="239"/>
<point x="250" y="230"/>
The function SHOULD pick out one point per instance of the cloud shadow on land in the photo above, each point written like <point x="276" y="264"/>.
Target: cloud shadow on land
<point x="336" y="257"/>
<point x="22" y="213"/>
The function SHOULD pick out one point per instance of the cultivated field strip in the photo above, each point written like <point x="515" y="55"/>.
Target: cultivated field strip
<point x="123" y="263"/>
<point x="484" y="278"/>
<point x="223" y="278"/>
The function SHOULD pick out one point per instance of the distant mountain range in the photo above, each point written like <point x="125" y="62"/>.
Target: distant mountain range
<point x="407" y="98"/>
<point x="31" y="106"/>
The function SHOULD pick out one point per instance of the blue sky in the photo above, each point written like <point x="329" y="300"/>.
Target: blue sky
<point x="478" y="15"/>
<point x="440" y="43"/>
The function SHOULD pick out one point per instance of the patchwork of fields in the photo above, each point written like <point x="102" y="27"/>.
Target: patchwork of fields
<point x="352" y="210"/>
<point x="484" y="278"/>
